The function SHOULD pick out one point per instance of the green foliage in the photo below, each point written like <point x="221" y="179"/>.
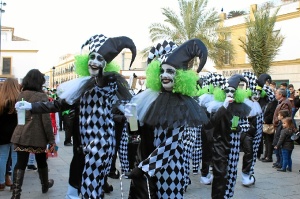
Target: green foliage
<point x="262" y="42"/>
<point x="195" y="20"/>
<point x="235" y="13"/>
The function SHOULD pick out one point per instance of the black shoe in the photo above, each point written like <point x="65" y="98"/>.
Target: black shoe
<point x="107" y="188"/>
<point x="31" y="167"/>
<point x="282" y="170"/>
<point x="68" y="144"/>
<point x="290" y="170"/>
<point x="114" y="175"/>
<point x="267" y="160"/>
<point x="261" y="159"/>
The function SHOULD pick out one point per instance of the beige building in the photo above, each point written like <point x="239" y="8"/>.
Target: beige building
<point x="17" y="55"/>
<point x="286" y="66"/>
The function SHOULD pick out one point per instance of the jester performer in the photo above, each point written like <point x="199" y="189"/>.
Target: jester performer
<point x="167" y="111"/>
<point x="94" y="98"/>
<point x="229" y="119"/>
<point x="259" y="94"/>
<point x="210" y="82"/>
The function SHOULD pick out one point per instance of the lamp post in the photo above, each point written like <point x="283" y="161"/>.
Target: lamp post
<point x="53" y="70"/>
<point x="1" y="11"/>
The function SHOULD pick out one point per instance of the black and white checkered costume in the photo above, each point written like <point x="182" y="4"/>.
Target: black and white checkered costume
<point x="226" y="148"/>
<point x="123" y="149"/>
<point x="197" y="151"/>
<point x="166" y="162"/>
<point x="98" y="137"/>
<point x="233" y="158"/>
<point x="188" y="142"/>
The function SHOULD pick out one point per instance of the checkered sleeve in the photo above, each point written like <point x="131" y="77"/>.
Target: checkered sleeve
<point x="270" y="93"/>
<point x="123" y="150"/>
<point x="162" y="154"/>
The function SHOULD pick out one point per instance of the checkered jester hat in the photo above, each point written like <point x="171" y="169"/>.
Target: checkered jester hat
<point x="216" y="80"/>
<point x="252" y="80"/>
<point x="109" y="48"/>
<point x="161" y="50"/>
<point x="182" y="55"/>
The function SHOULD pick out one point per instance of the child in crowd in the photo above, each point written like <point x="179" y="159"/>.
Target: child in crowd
<point x="286" y="143"/>
<point x="281" y="115"/>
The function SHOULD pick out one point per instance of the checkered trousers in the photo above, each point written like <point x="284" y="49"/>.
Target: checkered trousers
<point x="257" y="139"/>
<point x="188" y="138"/>
<point x="197" y="151"/>
<point x="166" y="162"/>
<point x="233" y="157"/>
<point x="123" y="150"/>
<point x="98" y="137"/>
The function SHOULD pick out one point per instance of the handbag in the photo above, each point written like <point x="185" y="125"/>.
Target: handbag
<point x="268" y="128"/>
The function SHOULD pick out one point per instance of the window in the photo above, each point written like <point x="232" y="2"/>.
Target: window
<point x="6" y="70"/>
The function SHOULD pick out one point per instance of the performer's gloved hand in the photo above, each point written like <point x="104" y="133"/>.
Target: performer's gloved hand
<point x="23" y="105"/>
<point x="127" y="110"/>
<point x="227" y="101"/>
<point x="135" y="173"/>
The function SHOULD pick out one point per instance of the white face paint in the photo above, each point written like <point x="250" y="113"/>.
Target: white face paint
<point x="96" y="64"/>
<point x="229" y="92"/>
<point x="167" y="77"/>
<point x="256" y="96"/>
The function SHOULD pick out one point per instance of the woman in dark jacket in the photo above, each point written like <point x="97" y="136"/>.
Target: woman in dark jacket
<point x="268" y="119"/>
<point x="34" y="136"/>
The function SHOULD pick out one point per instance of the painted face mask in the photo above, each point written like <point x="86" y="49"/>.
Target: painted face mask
<point x="167" y="77"/>
<point x="229" y="92"/>
<point x="256" y="96"/>
<point x="96" y="64"/>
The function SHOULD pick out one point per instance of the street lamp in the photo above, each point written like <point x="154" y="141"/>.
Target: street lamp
<point x="1" y="11"/>
<point x="53" y="70"/>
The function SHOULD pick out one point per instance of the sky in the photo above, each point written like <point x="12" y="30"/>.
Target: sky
<point x="58" y="27"/>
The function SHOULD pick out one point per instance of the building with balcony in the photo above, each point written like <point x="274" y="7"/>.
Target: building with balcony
<point x="286" y="65"/>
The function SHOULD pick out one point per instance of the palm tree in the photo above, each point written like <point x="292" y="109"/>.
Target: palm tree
<point x="262" y="42"/>
<point x="195" y="21"/>
<point x="235" y="13"/>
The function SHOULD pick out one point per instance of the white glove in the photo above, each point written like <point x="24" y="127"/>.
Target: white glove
<point x="227" y="101"/>
<point x="129" y="110"/>
<point x="23" y="105"/>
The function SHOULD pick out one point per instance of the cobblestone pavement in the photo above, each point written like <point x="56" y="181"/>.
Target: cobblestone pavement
<point x="269" y="182"/>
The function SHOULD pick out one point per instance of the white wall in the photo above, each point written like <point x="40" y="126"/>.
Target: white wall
<point x="290" y="47"/>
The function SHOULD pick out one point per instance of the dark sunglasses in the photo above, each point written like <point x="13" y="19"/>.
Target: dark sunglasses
<point x="229" y="91"/>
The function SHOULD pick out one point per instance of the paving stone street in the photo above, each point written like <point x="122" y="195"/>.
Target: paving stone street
<point x="269" y="182"/>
